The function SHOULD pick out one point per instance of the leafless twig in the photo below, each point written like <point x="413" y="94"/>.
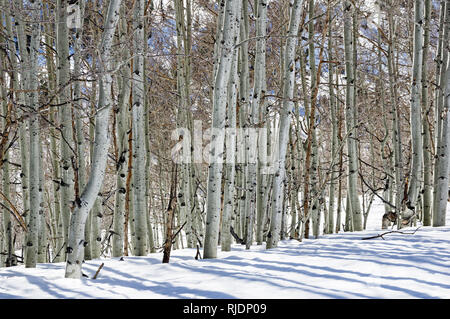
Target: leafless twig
<point x="390" y="232"/>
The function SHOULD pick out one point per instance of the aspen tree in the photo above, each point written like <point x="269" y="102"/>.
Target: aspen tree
<point x="57" y="239"/>
<point x="65" y="114"/>
<point x="6" y="223"/>
<point x="139" y="152"/>
<point x="76" y="231"/>
<point x="215" y="169"/>
<point x="32" y="97"/>
<point x="42" y="235"/>
<point x="21" y="86"/>
<point x="288" y="94"/>
<point x="416" y="112"/>
<point x="352" y="192"/>
<point x="426" y="108"/>
<point x="396" y="136"/>
<point x="78" y="114"/>
<point x="260" y="110"/>
<point x="93" y="225"/>
<point x="245" y="110"/>
<point x="334" y="123"/>
<point x="230" y="173"/>
<point x="441" y="165"/>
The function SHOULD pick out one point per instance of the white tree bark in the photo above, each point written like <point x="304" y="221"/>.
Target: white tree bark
<point x="426" y="108"/>
<point x="65" y="114"/>
<point x="334" y="140"/>
<point x="122" y="116"/>
<point x="416" y="111"/>
<point x="230" y="173"/>
<point x="440" y="191"/>
<point x="442" y="162"/>
<point x="352" y="192"/>
<point x="285" y="120"/>
<point x="215" y="170"/>
<point x="139" y="152"/>
<point x="35" y="191"/>
<point x="89" y="194"/>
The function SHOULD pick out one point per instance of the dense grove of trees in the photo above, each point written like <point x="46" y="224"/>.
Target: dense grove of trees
<point x="137" y="126"/>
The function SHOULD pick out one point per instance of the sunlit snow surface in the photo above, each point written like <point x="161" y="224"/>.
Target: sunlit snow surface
<point x="334" y="266"/>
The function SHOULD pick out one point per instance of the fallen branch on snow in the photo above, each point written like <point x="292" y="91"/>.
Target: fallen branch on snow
<point x="390" y="232"/>
<point x="98" y="270"/>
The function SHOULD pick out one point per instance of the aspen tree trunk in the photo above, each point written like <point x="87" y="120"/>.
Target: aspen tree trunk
<point x="334" y="123"/>
<point x="148" y="164"/>
<point x="441" y="55"/>
<point x="441" y="168"/>
<point x="245" y="110"/>
<point x="22" y="100"/>
<point x="78" y="115"/>
<point x="397" y="142"/>
<point x="42" y="236"/>
<point x="215" y="170"/>
<point x="288" y="94"/>
<point x="441" y="58"/>
<point x="93" y="224"/>
<point x="5" y="172"/>
<point x="315" y="204"/>
<point x="184" y="119"/>
<point x="167" y="245"/>
<point x="339" y="135"/>
<point x="386" y="156"/>
<point x="148" y="197"/>
<point x="139" y="157"/>
<point x="190" y="169"/>
<point x="65" y="114"/>
<point x="352" y="192"/>
<point x="6" y="224"/>
<point x="416" y="112"/>
<point x="56" y="218"/>
<point x="230" y="173"/>
<point x="255" y="118"/>
<point x="292" y="182"/>
<point x="32" y="95"/>
<point x="306" y="158"/>
<point x="122" y="143"/>
<point x="312" y="208"/>
<point x="89" y="194"/>
<point x="259" y="99"/>
<point x="427" y="151"/>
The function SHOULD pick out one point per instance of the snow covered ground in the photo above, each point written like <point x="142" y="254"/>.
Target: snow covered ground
<point x="334" y="266"/>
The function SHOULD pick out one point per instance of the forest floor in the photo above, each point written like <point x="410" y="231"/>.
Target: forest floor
<point x="333" y="266"/>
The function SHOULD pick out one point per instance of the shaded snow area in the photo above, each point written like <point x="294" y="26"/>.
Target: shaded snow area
<point x="333" y="266"/>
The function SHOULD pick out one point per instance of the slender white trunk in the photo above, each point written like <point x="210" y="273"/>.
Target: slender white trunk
<point x="352" y="192"/>
<point x="139" y="152"/>
<point x="285" y="119"/>
<point x="416" y="111"/>
<point x="215" y="170"/>
<point x="426" y="108"/>
<point x="65" y="115"/>
<point x="77" y="223"/>
<point x="334" y="138"/>
<point x="230" y="173"/>
<point x="440" y="193"/>
<point x="122" y="117"/>
<point x="35" y="191"/>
